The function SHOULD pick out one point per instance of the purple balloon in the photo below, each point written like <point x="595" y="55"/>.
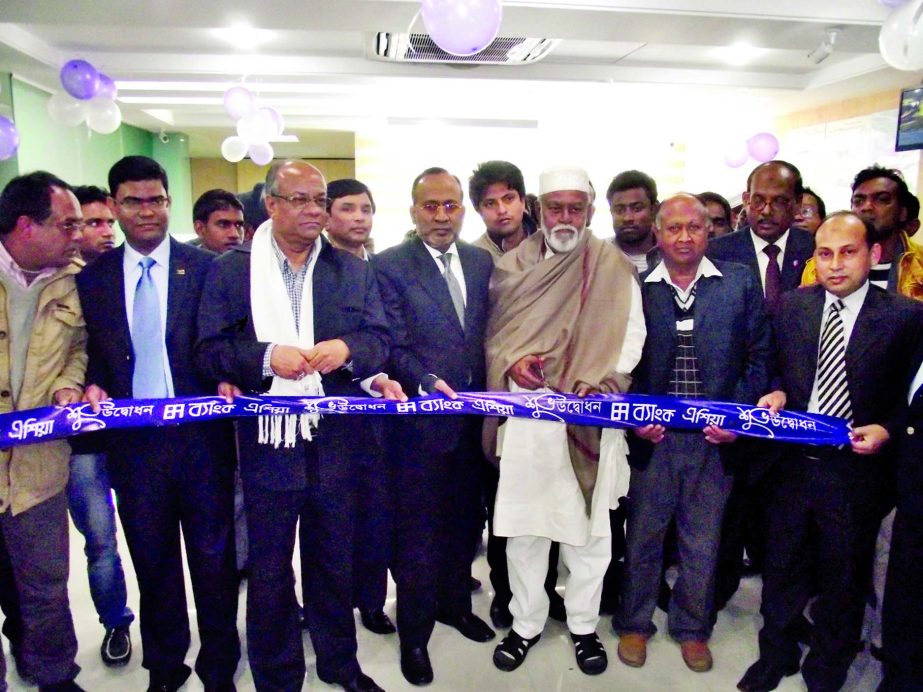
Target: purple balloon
<point x="80" y="79"/>
<point x="763" y="147"/>
<point x="892" y="3"/>
<point x="462" y="27"/>
<point x="9" y="138"/>
<point x="107" y="88"/>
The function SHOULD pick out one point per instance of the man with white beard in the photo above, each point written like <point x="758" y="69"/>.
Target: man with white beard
<point x="565" y="316"/>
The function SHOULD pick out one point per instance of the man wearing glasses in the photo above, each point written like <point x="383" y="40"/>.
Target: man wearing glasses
<point x="435" y="292"/>
<point x="44" y="360"/>
<point x="140" y="307"/>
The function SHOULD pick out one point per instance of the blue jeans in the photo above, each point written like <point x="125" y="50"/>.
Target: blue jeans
<point x="89" y="496"/>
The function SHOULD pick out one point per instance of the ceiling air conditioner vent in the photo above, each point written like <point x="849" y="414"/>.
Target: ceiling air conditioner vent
<point x="504" y="50"/>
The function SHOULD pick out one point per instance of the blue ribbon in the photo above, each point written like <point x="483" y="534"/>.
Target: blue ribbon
<point x="609" y="410"/>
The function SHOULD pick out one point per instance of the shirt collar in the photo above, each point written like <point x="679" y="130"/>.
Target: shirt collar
<point x="160" y="254"/>
<point x="283" y="260"/>
<point x="11" y="268"/>
<point x="759" y="243"/>
<point x="434" y="253"/>
<point x="852" y="302"/>
<point x="660" y="273"/>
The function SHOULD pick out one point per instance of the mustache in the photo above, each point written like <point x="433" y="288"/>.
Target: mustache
<point x="561" y="227"/>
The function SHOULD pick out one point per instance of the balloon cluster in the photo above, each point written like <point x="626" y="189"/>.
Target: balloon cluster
<point x="9" y="138"/>
<point x="255" y="127"/>
<point x="901" y="37"/>
<point x="462" y="27"/>
<point x="762" y="147"/>
<point x="88" y="95"/>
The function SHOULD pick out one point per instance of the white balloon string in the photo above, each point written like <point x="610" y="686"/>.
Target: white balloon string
<point x="410" y="29"/>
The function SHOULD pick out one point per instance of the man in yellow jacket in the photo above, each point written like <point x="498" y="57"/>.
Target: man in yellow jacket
<point x="42" y="362"/>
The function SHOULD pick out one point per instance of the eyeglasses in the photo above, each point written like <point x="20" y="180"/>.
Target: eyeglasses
<point x="299" y="202"/>
<point x="434" y="207"/>
<point x="136" y="203"/>
<point x="808" y="212"/>
<point x="757" y="202"/>
<point x="66" y="227"/>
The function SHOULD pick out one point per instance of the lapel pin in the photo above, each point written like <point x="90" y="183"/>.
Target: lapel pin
<point x="180" y="271"/>
<point x="795" y="263"/>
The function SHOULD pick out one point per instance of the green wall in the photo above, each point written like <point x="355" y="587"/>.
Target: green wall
<point x="83" y="157"/>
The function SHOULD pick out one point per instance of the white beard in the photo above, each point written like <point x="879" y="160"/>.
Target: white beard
<point x="559" y="244"/>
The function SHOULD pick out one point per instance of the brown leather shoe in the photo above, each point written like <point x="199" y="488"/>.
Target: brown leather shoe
<point x="696" y="656"/>
<point x="633" y="650"/>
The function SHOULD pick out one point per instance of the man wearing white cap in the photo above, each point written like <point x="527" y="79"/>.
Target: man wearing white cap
<point x="565" y="316"/>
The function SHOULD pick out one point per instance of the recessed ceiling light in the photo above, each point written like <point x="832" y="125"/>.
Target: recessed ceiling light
<point x="243" y="36"/>
<point x="738" y="53"/>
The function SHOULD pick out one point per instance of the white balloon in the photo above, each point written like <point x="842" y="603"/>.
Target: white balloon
<point x="261" y="153"/>
<point x="901" y="37"/>
<point x="234" y="149"/>
<point x="103" y="115"/>
<point x="239" y="102"/>
<point x="278" y="123"/>
<point x="257" y="128"/>
<point x="65" y="110"/>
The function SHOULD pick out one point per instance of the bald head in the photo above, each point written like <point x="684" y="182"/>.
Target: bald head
<point x="296" y="199"/>
<point x="681" y="228"/>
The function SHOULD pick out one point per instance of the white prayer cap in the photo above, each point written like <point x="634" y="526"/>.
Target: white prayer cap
<point x="564" y="178"/>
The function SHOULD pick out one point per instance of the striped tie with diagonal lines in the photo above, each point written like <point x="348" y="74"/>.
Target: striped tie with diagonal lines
<point x="832" y="387"/>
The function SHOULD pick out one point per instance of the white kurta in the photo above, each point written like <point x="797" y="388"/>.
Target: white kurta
<point x="538" y="493"/>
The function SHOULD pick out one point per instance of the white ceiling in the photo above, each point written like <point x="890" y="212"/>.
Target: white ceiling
<point x="312" y="59"/>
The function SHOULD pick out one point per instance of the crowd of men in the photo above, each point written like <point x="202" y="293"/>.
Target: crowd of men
<point x="793" y="310"/>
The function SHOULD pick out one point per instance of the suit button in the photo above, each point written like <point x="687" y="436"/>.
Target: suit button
<point x="2" y="335"/>
<point x="5" y="393"/>
<point x="910" y="430"/>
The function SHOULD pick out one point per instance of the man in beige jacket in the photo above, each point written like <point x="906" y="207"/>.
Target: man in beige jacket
<point x="42" y="362"/>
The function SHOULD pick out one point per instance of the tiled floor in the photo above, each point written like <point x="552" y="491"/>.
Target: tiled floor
<point x="460" y="664"/>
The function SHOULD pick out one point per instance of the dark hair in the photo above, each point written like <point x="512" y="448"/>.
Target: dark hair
<point x="28" y="195"/>
<point x="254" y="209"/>
<point x="435" y="170"/>
<point x="135" y="168"/>
<point x="894" y="175"/>
<point x="821" y="207"/>
<point x="214" y="200"/>
<point x="88" y="194"/>
<point x="715" y="198"/>
<point x="491" y="172"/>
<point x="870" y="236"/>
<point x="628" y="180"/>
<point x="913" y="207"/>
<point x="344" y="187"/>
<point x="790" y="167"/>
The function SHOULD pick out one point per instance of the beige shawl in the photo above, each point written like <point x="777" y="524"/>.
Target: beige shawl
<point x="571" y="310"/>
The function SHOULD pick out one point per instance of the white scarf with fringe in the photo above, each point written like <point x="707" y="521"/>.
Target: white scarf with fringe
<point x="274" y="322"/>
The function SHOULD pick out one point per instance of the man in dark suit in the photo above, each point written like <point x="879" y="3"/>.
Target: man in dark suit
<point x="708" y="337"/>
<point x="435" y="292"/>
<point x="848" y="348"/>
<point x="903" y="607"/>
<point x="776" y="252"/>
<point x="140" y="310"/>
<point x="288" y="314"/>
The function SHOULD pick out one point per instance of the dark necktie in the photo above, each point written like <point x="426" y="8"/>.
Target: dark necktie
<point x="149" y="380"/>
<point x="773" y="278"/>
<point x="832" y="386"/>
<point x="455" y="290"/>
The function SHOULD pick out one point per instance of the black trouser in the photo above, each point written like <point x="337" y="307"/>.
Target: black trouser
<point x="191" y="489"/>
<point x="832" y="500"/>
<point x="903" y="604"/>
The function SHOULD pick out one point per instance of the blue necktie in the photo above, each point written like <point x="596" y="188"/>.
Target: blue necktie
<point x="149" y="380"/>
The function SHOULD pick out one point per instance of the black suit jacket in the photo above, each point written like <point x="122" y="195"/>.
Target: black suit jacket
<point x="881" y="356"/>
<point x="346" y="306"/>
<point x="427" y="338"/>
<point x="909" y="452"/>
<point x="101" y="286"/>
<point x="738" y="247"/>
<point x="733" y="342"/>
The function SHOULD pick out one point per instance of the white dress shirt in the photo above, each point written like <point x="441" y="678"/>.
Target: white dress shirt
<point x="455" y="265"/>
<point x="160" y="274"/>
<point x="851" y="306"/>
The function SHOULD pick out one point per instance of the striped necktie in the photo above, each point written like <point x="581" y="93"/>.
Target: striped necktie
<point x="832" y="386"/>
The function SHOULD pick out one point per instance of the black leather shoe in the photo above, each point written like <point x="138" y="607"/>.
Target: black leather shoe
<point x="376" y="621"/>
<point x="222" y="686"/>
<point x="500" y="613"/>
<point x="168" y="681"/>
<point x="415" y="666"/>
<point x="471" y="627"/>
<point x="361" y="683"/>
<point x="116" y="647"/>
<point x="764" y="676"/>
<point x="66" y="686"/>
